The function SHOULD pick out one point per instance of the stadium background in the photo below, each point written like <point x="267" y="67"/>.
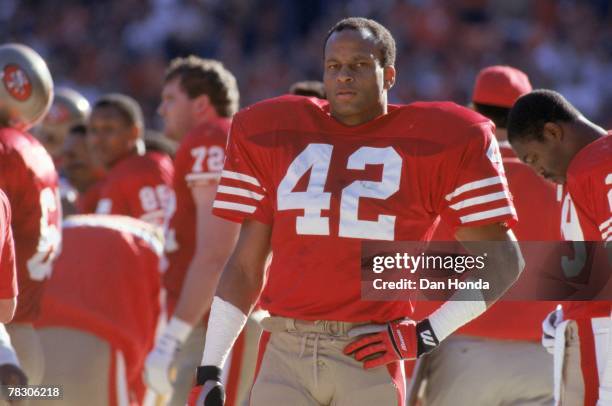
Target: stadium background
<point x="124" y="45"/>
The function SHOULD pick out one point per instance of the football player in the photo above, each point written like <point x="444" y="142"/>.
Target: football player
<point x="510" y="329"/>
<point x="138" y="184"/>
<point x="549" y="134"/>
<point x="199" y="98"/>
<point x="82" y="170"/>
<point x="69" y="108"/>
<point x="312" y="180"/>
<point x="100" y="309"/>
<point x="29" y="179"/>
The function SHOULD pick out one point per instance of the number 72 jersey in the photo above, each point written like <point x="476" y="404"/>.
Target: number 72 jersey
<point x="324" y="187"/>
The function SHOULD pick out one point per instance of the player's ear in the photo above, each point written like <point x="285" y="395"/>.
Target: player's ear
<point x="201" y="104"/>
<point x="552" y="132"/>
<point x="389" y="76"/>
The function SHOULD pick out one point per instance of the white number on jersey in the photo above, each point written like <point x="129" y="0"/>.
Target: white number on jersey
<point x="49" y="242"/>
<point x="155" y="198"/>
<point x="214" y="162"/>
<point x="316" y="158"/>
<point x="384" y="227"/>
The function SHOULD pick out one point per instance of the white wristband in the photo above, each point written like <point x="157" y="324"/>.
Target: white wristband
<point x="224" y="326"/>
<point x="178" y="329"/>
<point x="7" y="352"/>
<point x="455" y="313"/>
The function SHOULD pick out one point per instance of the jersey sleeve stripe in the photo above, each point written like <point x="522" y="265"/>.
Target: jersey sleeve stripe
<point x="487" y="214"/>
<point x="474" y="185"/>
<point x="230" y="190"/>
<point x="240" y="176"/>
<point x="479" y="200"/>
<point x="245" y="208"/>
<point x="606" y="233"/>
<point x="605" y="224"/>
<point x="193" y="177"/>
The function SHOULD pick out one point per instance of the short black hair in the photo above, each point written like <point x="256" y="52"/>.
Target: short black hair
<point x="309" y="88"/>
<point x="198" y="76"/>
<point x="497" y="114"/>
<point x="127" y="107"/>
<point x="383" y="37"/>
<point x="80" y="130"/>
<point x="531" y="111"/>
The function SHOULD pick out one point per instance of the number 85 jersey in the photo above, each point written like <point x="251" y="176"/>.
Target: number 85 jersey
<point x="324" y="187"/>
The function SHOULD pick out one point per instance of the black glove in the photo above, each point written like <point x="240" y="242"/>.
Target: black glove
<point x="209" y="390"/>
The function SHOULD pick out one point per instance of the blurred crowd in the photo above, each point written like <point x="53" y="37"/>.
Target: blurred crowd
<point x="103" y="46"/>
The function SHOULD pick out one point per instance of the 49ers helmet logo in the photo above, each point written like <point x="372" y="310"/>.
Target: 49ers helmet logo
<point x="17" y="82"/>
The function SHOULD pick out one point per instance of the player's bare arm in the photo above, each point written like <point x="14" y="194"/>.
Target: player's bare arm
<point x="240" y="286"/>
<point x="215" y="239"/>
<point x="378" y="345"/>
<point x="504" y="259"/>
<point x="243" y="276"/>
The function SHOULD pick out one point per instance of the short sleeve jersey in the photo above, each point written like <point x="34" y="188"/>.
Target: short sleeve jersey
<point x="8" y="271"/>
<point x="138" y="186"/>
<point x="29" y="179"/>
<point x="587" y="210"/>
<point x="198" y="159"/>
<point x="325" y="187"/>
<point x="118" y="294"/>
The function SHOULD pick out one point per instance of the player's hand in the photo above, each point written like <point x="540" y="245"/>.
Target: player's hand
<point x="159" y="364"/>
<point x="549" y="327"/>
<point x="380" y="344"/>
<point x="209" y="390"/>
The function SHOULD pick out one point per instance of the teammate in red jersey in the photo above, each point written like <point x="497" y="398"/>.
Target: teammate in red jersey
<point x="199" y="98"/>
<point x="137" y="184"/>
<point x="95" y="337"/>
<point x="509" y="329"/>
<point x="28" y="178"/>
<point x="310" y="181"/>
<point x="8" y="271"/>
<point x="560" y="144"/>
<point x="82" y="170"/>
<point x="10" y="371"/>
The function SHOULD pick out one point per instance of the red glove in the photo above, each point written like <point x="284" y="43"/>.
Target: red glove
<point x="381" y="344"/>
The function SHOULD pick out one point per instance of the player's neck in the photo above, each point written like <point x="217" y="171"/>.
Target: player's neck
<point x="360" y="118"/>
<point x="587" y="132"/>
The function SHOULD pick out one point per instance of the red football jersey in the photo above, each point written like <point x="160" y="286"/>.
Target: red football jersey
<point x="106" y="282"/>
<point x="325" y="187"/>
<point x="138" y="186"/>
<point x="29" y="179"/>
<point x="8" y="271"/>
<point x="199" y="158"/>
<point x="587" y="211"/>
